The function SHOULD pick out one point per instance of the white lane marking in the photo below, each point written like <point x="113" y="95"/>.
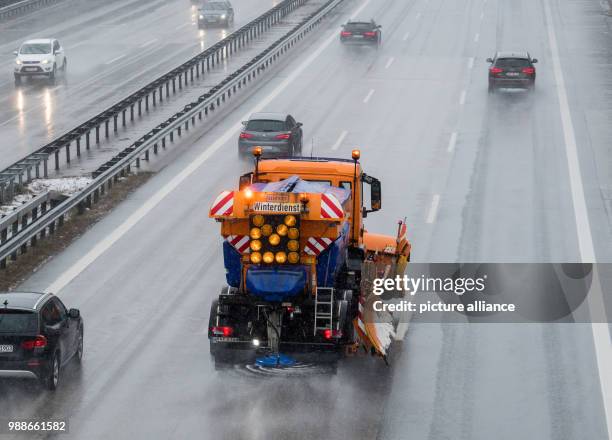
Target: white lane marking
<point x="462" y="98"/>
<point x="389" y="62"/>
<point x="601" y="332"/>
<point x="148" y="43"/>
<point x="452" y="142"/>
<point x="476" y="38"/>
<point x="433" y="209"/>
<point x="115" y="59"/>
<point x="418" y="15"/>
<point x="368" y="96"/>
<point x="102" y="246"/>
<point x="339" y="141"/>
<point x="406" y="36"/>
<point x="401" y="330"/>
<point x="184" y="25"/>
<point x="482" y="15"/>
<point x="470" y="62"/>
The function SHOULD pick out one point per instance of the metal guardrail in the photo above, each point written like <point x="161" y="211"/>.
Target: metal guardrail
<point x="121" y="165"/>
<point x="13" y="223"/>
<point x="20" y="173"/>
<point x="11" y="8"/>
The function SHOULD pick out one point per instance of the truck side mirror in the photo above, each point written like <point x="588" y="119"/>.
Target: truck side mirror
<point x="245" y="181"/>
<point x="376" y="195"/>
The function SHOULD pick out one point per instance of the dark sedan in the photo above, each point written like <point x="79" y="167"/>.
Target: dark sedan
<point x="278" y="134"/>
<point x="38" y="336"/>
<point x="512" y="70"/>
<point x="364" y="32"/>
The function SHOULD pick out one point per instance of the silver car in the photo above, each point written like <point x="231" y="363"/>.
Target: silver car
<point x="278" y="134"/>
<point x="217" y="12"/>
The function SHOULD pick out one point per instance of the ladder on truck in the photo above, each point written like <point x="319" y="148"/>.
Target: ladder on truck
<point x="324" y="307"/>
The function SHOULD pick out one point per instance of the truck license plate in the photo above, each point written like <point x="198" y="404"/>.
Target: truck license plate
<point x="6" y="348"/>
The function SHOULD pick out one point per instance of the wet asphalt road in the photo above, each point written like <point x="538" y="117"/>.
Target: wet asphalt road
<point x="498" y="192"/>
<point x="113" y="49"/>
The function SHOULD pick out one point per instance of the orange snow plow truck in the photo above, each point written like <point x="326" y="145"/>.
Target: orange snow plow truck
<point x="294" y="250"/>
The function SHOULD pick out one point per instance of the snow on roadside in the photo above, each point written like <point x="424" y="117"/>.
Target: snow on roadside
<point x="67" y="186"/>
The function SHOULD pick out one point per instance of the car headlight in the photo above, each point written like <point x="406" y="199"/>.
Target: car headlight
<point x="44" y="62"/>
<point x="201" y="17"/>
<point x="223" y="17"/>
<point x="18" y="62"/>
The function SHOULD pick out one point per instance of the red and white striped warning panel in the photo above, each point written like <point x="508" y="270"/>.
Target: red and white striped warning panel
<point x="240" y="243"/>
<point x="331" y="207"/>
<point x="223" y="204"/>
<point x="360" y="321"/>
<point x="315" y="245"/>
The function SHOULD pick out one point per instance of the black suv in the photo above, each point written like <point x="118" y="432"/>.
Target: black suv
<point x="278" y="134"/>
<point x="38" y="336"/>
<point x="510" y="70"/>
<point x="361" y="32"/>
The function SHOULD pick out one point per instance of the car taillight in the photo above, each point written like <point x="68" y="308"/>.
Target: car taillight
<point x="244" y="135"/>
<point x="332" y="334"/>
<point x="222" y="331"/>
<point x="39" y="342"/>
<point x="369" y="34"/>
<point x="345" y="34"/>
<point x="283" y="136"/>
<point x="528" y="70"/>
<point x="496" y="70"/>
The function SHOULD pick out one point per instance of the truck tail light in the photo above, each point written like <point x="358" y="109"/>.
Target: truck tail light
<point x="332" y="334"/>
<point x="39" y="342"/>
<point x="224" y="331"/>
<point x="244" y="135"/>
<point x="283" y="136"/>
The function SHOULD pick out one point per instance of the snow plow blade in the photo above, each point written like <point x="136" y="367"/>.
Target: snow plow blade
<point x="377" y="330"/>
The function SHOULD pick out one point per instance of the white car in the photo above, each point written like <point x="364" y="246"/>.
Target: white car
<point x="42" y="57"/>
